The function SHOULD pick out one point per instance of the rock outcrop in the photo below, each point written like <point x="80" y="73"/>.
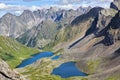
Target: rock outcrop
<point x="7" y="74"/>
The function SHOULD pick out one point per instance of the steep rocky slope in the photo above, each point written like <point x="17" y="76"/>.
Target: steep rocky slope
<point x="7" y="74"/>
<point x="40" y="35"/>
<point x="8" y="25"/>
<point x="29" y="18"/>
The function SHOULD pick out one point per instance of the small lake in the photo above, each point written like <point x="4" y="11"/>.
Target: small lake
<point x="68" y="69"/>
<point x="35" y="58"/>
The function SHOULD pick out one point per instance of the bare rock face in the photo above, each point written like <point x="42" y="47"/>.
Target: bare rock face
<point x="7" y="74"/>
<point x="115" y="27"/>
<point x="105" y="21"/>
<point x="29" y="18"/>
<point x="40" y="35"/>
<point x="8" y="25"/>
<point x="115" y="4"/>
<point x="105" y="17"/>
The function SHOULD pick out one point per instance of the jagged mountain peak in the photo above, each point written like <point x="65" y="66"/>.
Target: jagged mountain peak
<point x="54" y="8"/>
<point x="8" y="15"/>
<point x="26" y="13"/>
<point x="108" y="12"/>
<point x="84" y="9"/>
<point x="115" y="4"/>
<point x="28" y="17"/>
<point x="27" y="10"/>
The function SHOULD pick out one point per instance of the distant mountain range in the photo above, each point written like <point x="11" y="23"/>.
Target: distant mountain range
<point x="13" y="26"/>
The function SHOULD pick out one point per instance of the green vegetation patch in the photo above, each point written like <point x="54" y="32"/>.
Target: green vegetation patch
<point x="92" y="65"/>
<point x="46" y="77"/>
<point x="13" y="52"/>
<point x="114" y="77"/>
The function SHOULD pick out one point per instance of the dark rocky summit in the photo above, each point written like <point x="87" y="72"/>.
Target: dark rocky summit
<point x="115" y="4"/>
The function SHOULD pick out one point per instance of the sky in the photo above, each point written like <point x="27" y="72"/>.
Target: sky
<point x="18" y="6"/>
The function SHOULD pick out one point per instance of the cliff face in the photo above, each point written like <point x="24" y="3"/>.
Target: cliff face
<point x="7" y="74"/>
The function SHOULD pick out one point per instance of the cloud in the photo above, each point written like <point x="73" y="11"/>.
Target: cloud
<point x="68" y="1"/>
<point x="93" y="3"/>
<point x="78" y="1"/>
<point x="33" y="8"/>
<point x="2" y="6"/>
<point x="18" y="12"/>
<point x="17" y="7"/>
<point x="20" y="8"/>
<point x="60" y="3"/>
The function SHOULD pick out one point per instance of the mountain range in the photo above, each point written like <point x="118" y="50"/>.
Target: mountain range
<point x="88" y="36"/>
